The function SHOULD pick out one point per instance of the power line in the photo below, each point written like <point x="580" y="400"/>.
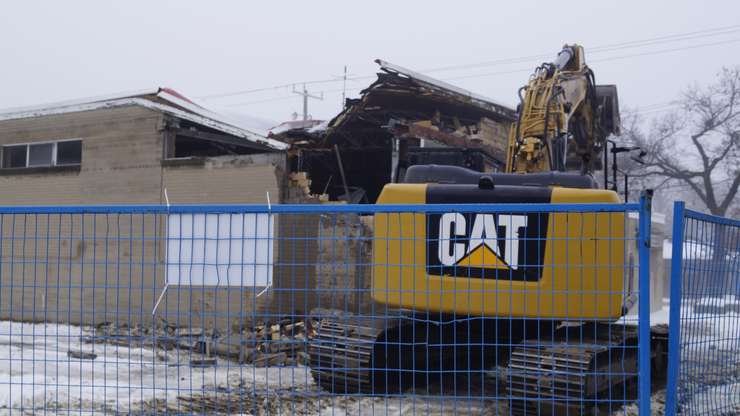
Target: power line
<point x="603" y="48"/>
<point x="281" y="86"/>
<point x="514" y="71"/>
<point x="613" y="58"/>
<point x="679" y="37"/>
<point x="286" y="97"/>
<point x="701" y="45"/>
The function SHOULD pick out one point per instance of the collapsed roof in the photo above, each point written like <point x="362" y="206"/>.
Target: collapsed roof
<point x="405" y="104"/>
<point x="415" y="94"/>
<point x="403" y="118"/>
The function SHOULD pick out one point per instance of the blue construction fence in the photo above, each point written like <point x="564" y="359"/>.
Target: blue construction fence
<point x="326" y="309"/>
<point x="704" y="361"/>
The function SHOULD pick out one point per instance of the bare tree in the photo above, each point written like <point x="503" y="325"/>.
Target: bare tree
<point x="698" y="145"/>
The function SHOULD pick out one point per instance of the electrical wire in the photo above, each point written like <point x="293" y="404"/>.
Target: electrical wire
<point x="603" y="48"/>
<point x="613" y="58"/>
<point x="679" y="37"/>
<point x="287" y="97"/>
<point x="521" y="70"/>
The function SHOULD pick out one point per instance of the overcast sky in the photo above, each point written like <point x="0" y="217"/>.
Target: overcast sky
<point x="58" y="50"/>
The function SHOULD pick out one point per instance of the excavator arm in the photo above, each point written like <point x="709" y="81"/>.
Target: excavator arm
<point x="563" y="118"/>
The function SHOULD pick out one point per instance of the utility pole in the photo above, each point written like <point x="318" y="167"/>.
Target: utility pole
<point x="306" y="96"/>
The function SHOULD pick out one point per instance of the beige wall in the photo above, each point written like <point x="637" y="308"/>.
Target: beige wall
<point x="55" y="268"/>
<point x="121" y="151"/>
<point x="226" y="180"/>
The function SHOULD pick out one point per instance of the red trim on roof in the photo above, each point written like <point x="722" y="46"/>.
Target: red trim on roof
<point x="170" y="91"/>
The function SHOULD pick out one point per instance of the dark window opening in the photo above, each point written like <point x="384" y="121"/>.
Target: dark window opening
<point x="366" y="170"/>
<point x="14" y="156"/>
<point x="192" y="147"/>
<point x="369" y="169"/>
<point x="474" y="159"/>
<point x="69" y="153"/>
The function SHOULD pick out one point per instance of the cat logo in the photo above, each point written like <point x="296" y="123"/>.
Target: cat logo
<point x="485" y="245"/>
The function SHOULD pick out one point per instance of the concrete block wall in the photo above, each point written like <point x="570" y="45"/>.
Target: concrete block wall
<point x="98" y="268"/>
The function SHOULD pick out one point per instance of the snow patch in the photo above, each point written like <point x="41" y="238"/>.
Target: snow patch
<point x="38" y="375"/>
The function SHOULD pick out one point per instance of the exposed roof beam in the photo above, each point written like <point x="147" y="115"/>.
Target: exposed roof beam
<point x="220" y="138"/>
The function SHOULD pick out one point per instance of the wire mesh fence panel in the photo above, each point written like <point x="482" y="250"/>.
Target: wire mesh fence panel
<point x="704" y="371"/>
<point x="325" y="309"/>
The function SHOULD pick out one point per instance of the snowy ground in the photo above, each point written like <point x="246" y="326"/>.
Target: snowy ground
<point x="710" y="355"/>
<point x="37" y="375"/>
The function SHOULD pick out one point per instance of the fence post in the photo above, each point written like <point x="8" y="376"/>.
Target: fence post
<point x="643" y="348"/>
<point x="674" y="323"/>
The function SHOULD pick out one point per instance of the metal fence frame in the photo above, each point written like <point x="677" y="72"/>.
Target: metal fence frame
<point x="642" y="208"/>
<point x="680" y="216"/>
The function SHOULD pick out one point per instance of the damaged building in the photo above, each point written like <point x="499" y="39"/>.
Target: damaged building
<point x="157" y="147"/>
<point x="129" y="148"/>
<point x="148" y="147"/>
<point x="402" y="119"/>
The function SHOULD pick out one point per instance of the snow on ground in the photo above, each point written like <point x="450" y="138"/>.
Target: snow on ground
<point x="37" y="374"/>
<point x="656" y="318"/>
<point x="710" y="354"/>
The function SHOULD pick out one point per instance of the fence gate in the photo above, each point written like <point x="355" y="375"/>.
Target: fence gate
<point x="704" y="361"/>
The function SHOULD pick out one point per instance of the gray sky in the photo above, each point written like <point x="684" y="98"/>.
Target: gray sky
<point x="57" y="50"/>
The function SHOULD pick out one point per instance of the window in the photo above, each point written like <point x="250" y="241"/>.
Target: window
<point x="46" y="154"/>
<point x="14" y="156"/>
<point x="40" y="155"/>
<point x="69" y="152"/>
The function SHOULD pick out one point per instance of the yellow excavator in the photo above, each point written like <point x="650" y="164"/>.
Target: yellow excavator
<point x="458" y="294"/>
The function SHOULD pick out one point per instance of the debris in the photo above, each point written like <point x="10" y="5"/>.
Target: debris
<point x="189" y="332"/>
<point x="229" y="346"/>
<point x="249" y="402"/>
<point x="298" y="326"/>
<point x="246" y="355"/>
<point x="275" y="332"/>
<point x="208" y="362"/>
<point x="303" y="358"/>
<point x="267" y="360"/>
<point x="264" y="344"/>
<point x="401" y="119"/>
<point x="81" y="355"/>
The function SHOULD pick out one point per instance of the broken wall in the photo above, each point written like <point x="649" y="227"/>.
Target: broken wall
<point x="324" y="259"/>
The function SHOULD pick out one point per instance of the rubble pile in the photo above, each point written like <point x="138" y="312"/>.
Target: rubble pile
<point x="242" y="401"/>
<point x="281" y="343"/>
<point x="280" y="403"/>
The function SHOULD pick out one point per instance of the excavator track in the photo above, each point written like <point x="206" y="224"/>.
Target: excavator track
<point x="341" y="356"/>
<point x="578" y="371"/>
<point x="349" y="355"/>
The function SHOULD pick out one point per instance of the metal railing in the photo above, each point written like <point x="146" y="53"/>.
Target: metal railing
<point x="704" y="352"/>
<point x="309" y="309"/>
<point x="704" y="357"/>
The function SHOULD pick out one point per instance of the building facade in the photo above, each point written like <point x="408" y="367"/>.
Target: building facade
<point x="153" y="147"/>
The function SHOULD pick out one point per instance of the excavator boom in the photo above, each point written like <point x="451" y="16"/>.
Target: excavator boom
<point x="563" y="118"/>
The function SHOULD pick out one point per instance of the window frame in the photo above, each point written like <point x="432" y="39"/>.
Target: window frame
<point x="53" y="153"/>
